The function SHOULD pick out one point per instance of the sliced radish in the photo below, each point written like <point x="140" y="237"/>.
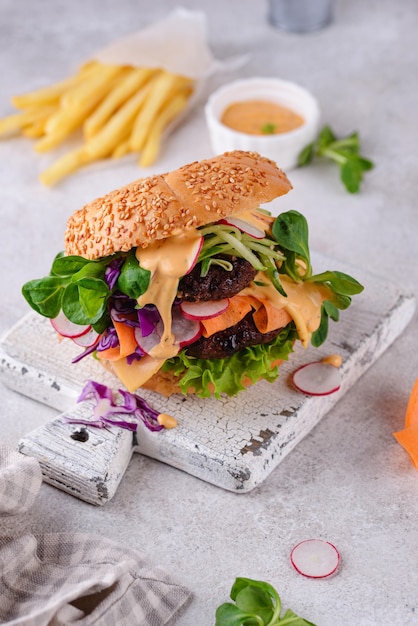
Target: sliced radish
<point x="317" y="378"/>
<point x="194" y="252"/>
<point x="185" y="331"/>
<point x="203" y="310"/>
<point x="245" y="227"/>
<point x="65" y="328"/>
<point x="90" y="338"/>
<point x="263" y="217"/>
<point x="315" y="558"/>
<point x="149" y="342"/>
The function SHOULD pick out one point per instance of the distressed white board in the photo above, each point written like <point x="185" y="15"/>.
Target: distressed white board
<point x="233" y="443"/>
<point x="88" y="463"/>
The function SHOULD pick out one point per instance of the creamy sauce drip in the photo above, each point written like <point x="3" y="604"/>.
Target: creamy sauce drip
<point x="168" y="260"/>
<point x="303" y="302"/>
<point x="260" y="117"/>
<point x="168" y="421"/>
<point x="333" y="359"/>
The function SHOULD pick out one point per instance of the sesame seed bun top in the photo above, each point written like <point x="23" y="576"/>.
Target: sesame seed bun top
<point x="167" y="204"/>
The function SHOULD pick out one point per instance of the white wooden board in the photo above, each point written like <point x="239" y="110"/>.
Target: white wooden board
<point x="233" y="443"/>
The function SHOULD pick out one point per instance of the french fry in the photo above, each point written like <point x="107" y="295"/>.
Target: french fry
<point x="96" y="86"/>
<point x="152" y="144"/>
<point x="34" y="130"/>
<point x="77" y="105"/>
<point x="122" y="149"/>
<point x="62" y="124"/>
<point x="52" y="93"/>
<point x="119" y="126"/>
<point x="119" y="109"/>
<point x="165" y="84"/>
<point x="116" y="97"/>
<point x="17" y="121"/>
<point x="65" y="165"/>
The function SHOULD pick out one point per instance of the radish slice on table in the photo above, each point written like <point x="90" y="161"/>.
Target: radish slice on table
<point x="88" y="339"/>
<point x="245" y="227"/>
<point x="317" y="379"/>
<point x="185" y="330"/>
<point x="64" y="327"/>
<point x="315" y="558"/>
<point x="203" y="310"/>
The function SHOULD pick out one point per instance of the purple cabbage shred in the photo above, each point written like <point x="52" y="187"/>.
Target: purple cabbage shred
<point x="107" y="411"/>
<point x="112" y="272"/>
<point x="123" y="309"/>
<point x="148" y="319"/>
<point x="109" y="339"/>
<point x="85" y="353"/>
<point x="135" y="356"/>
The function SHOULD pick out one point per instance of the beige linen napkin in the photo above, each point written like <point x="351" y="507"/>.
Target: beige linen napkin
<point x="59" y="579"/>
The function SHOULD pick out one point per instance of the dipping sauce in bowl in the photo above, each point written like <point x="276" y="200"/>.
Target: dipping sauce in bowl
<point x="260" y="117"/>
<point x="273" y="117"/>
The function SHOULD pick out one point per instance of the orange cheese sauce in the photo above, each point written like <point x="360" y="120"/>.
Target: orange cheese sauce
<point x="168" y="421"/>
<point x="333" y="359"/>
<point x="260" y="117"/>
<point x="303" y="302"/>
<point x="168" y="260"/>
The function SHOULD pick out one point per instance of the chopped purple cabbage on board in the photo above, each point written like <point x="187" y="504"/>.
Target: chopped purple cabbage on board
<point x="107" y="412"/>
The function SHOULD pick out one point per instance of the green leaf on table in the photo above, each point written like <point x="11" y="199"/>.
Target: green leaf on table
<point x="255" y="600"/>
<point x="345" y="152"/>
<point x="306" y="155"/>
<point x="230" y="615"/>
<point x="257" y="603"/>
<point x="292" y="619"/>
<point x="326" y="136"/>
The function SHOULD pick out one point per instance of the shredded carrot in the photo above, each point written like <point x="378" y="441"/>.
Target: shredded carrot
<point x="266" y="316"/>
<point x="126" y="336"/>
<point x="110" y="354"/>
<point x="408" y="437"/>
<point x="237" y="309"/>
<point x="127" y="343"/>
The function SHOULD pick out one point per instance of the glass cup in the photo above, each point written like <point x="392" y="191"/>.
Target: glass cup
<point x="300" y="16"/>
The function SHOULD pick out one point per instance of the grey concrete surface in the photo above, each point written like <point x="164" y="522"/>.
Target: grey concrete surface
<point x="348" y="481"/>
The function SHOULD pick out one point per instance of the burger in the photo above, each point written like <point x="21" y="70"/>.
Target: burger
<point x="182" y="283"/>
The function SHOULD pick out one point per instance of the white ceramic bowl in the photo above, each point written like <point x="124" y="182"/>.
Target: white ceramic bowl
<point x="283" y="148"/>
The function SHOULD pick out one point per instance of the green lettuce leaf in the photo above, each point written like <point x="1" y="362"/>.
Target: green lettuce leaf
<point x="226" y="375"/>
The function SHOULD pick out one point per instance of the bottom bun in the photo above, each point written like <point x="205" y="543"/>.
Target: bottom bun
<point x="164" y="383"/>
